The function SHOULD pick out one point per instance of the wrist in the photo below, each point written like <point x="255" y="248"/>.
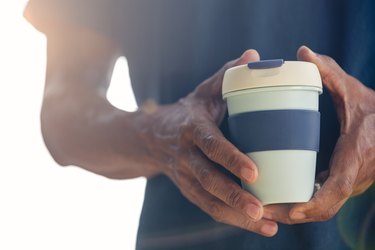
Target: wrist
<point x="156" y="132"/>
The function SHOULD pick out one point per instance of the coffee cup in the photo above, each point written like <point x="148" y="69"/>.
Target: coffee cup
<point x="274" y="118"/>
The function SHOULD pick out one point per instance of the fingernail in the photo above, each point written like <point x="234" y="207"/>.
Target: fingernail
<point x="252" y="211"/>
<point x="298" y="216"/>
<point x="247" y="174"/>
<point x="268" y="229"/>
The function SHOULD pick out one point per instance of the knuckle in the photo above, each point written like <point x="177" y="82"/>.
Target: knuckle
<point x="234" y="198"/>
<point x="209" y="141"/>
<point x="232" y="160"/>
<point x="206" y="179"/>
<point x="329" y="59"/>
<point x="345" y="188"/>
<point x="248" y="224"/>
<point x="197" y="131"/>
<point x="210" y="144"/>
<point x="185" y="186"/>
<point x="331" y="76"/>
<point x="216" y="212"/>
<point x="328" y="214"/>
<point x="190" y="185"/>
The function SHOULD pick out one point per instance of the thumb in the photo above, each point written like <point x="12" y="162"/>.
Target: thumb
<point x="250" y="55"/>
<point x="333" y="76"/>
<point x="215" y="82"/>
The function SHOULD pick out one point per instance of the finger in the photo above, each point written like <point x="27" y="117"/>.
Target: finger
<point x="278" y="213"/>
<point x="214" y="83"/>
<point x="250" y="55"/>
<point x="223" y="213"/>
<point x="222" y="187"/>
<point x="335" y="191"/>
<point x="333" y="76"/>
<point x="217" y="148"/>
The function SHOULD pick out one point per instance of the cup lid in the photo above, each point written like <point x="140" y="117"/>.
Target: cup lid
<point x="271" y="73"/>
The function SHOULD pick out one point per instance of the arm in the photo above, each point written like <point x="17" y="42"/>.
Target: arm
<point x="181" y="140"/>
<point x="80" y="127"/>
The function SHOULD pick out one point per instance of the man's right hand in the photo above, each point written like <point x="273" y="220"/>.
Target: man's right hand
<point x="182" y="140"/>
<point x="189" y="148"/>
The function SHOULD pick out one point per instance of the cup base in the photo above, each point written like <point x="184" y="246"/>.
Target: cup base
<point x="280" y="200"/>
<point x="284" y="202"/>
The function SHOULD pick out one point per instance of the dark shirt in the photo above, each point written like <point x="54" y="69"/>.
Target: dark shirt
<point x="173" y="45"/>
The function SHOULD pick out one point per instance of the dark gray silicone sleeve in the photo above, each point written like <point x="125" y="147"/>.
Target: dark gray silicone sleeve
<point x="275" y="130"/>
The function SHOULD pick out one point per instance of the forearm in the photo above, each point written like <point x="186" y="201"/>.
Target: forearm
<point x="85" y="130"/>
<point x="80" y="127"/>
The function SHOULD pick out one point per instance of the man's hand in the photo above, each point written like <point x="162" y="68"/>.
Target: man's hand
<point x="182" y="140"/>
<point x="190" y="150"/>
<point x="352" y="166"/>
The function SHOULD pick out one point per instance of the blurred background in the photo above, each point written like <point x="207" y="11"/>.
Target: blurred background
<point x="42" y="205"/>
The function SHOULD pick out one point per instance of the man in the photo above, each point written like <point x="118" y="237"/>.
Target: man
<point x="174" y="139"/>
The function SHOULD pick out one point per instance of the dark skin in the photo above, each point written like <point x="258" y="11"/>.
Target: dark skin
<point x="181" y="140"/>
<point x="352" y="166"/>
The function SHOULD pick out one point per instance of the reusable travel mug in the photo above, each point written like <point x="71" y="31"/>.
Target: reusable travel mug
<point x="273" y="118"/>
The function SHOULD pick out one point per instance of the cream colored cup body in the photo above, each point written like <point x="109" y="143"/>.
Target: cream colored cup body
<point x="285" y="176"/>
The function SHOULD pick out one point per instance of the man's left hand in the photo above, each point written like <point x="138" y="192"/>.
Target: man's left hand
<point x="352" y="165"/>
